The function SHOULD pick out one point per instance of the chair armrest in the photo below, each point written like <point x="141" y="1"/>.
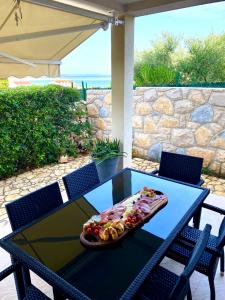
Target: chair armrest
<point x="9" y="270"/>
<point x="201" y="182"/>
<point x="155" y="172"/>
<point x="214" y="208"/>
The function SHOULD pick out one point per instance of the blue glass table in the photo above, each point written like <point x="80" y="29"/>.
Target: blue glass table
<point x="51" y="246"/>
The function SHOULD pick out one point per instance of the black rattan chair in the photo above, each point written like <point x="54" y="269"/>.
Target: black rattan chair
<point x="31" y="207"/>
<point x="181" y="250"/>
<point x="29" y="292"/>
<point x="34" y="205"/>
<point x="164" y="285"/>
<point x="183" y="168"/>
<point x="81" y="180"/>
<point x="180" y="167"/>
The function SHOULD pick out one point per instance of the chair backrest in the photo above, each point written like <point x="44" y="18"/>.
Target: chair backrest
<point x="221" y="238"/>
<point x="34" y="205"/>
<point x="182" y="285"/>
<point x="181" y="167"/>
<point x="81" y="180"/>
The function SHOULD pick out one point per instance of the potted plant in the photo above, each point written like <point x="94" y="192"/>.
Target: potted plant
<point x="107" y="156"/>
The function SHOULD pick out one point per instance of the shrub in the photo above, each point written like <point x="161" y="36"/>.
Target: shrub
<point x="3" y="83"/>
<point x="38" y="125"/>
<point x="146" y="75"/>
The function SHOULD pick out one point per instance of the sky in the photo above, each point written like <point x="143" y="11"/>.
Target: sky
<point x="94" y="55"/>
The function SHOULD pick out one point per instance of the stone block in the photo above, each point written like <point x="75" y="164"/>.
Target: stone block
<point x="218" y="114"/>
<point x="137" y="122"/>
<point x="143" y="108"/>
<point x="108" y="98"/>
<point x="216" y="128"/>
<point x="196" y="97"/>
<point x="150" y="94"/>
<point x="98" y="103"/>
<point x="100" y="124"/>
<point x="174" y="94"/>
<point x="168" y="147"/>
<point x="192" y="125"/>
<point x="183" y="106"/>
<point x="164" y="105"/>
<point x="169" y="122"/>
<point x="203" y="136"/>
<point x="219" y="141"/>
<point x="217" y="98"/>
<point x="11" y="197"/>
<point x="103" y="112"/>
<point x="220" y="156"/>
<point x="149" y="125"/>
<point x="222" y="171"/>
<point x="99" y="135"/>
<point x="208" y="155"/>
<point x="142" y="140"/>
<point x="92" y="110"/>
<point x="215" y="167"/>
<point x="181" y="151"/>
<point x="182" y="137"/>
<point x="206" y="93"/>
<point x="155" y="152"/>
<point x="202" y="114"/>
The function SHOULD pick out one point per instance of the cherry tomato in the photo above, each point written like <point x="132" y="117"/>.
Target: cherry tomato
<point x="96" y="231"/>
<point x="89" y="230"/>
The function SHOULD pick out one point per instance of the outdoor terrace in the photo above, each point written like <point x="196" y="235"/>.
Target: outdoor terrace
<point x="22" y="184"/>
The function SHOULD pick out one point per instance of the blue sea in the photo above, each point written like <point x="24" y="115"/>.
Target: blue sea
<point x="90" y="81"/>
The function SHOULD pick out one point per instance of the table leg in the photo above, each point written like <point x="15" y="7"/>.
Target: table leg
<point x="197" y="218"/>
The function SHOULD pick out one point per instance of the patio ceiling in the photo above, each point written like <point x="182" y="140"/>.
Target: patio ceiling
<point x="44" y="36"/>
<point x="134" y="7"/>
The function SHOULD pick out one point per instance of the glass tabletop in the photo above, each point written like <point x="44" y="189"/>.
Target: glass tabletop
<point x="105" y="273"/>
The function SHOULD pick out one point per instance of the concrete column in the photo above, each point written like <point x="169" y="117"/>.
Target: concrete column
<point x="122" y="41"/>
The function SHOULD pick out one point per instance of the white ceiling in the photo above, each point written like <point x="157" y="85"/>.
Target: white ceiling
<point x="135" y="7"/>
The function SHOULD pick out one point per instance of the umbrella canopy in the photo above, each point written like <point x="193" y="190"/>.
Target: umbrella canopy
<point x="35" y="44"/>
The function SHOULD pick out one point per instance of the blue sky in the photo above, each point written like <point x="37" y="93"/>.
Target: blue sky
<point x="94" y="55"/>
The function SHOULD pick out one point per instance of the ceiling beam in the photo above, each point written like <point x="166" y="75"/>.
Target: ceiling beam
<point x="41" y="34"/>
<point x="70" y="9"/>
<point x="17" y="59"/>
<point x="146" y="7"/>
<point x="105" y="5"/>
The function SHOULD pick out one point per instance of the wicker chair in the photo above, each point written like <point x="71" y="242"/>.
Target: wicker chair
<point x="183" y="168"/>
<point x="81" y="180"/>
<point x="180" y="167"/>
<point x="34" y="205"/>
<point x="28" y="293"/>
<point x="181" y="250"/>
<point x="31" y="207"/>
<point x="163" y="284"/>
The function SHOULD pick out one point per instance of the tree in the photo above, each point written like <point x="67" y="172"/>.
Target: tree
<point x="205" y="60"/>
<point x="155" y="66"/>
<point x="170" y="61"/>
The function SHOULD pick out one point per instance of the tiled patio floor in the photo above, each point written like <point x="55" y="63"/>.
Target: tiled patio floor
<point x="19" y="185"/>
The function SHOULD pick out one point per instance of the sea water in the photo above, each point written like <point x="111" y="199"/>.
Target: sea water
<point x="90" y="81"/>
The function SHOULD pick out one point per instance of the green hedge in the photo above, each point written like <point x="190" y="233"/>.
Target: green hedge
<point x="38" y="125"/>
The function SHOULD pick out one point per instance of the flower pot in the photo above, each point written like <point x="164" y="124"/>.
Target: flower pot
<point x="107" y="168"/>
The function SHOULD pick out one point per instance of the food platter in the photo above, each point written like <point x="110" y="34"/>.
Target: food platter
<point x="113" y="224"/>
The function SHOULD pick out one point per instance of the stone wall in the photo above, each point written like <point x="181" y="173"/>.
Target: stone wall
<point x="183" y="120"/>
